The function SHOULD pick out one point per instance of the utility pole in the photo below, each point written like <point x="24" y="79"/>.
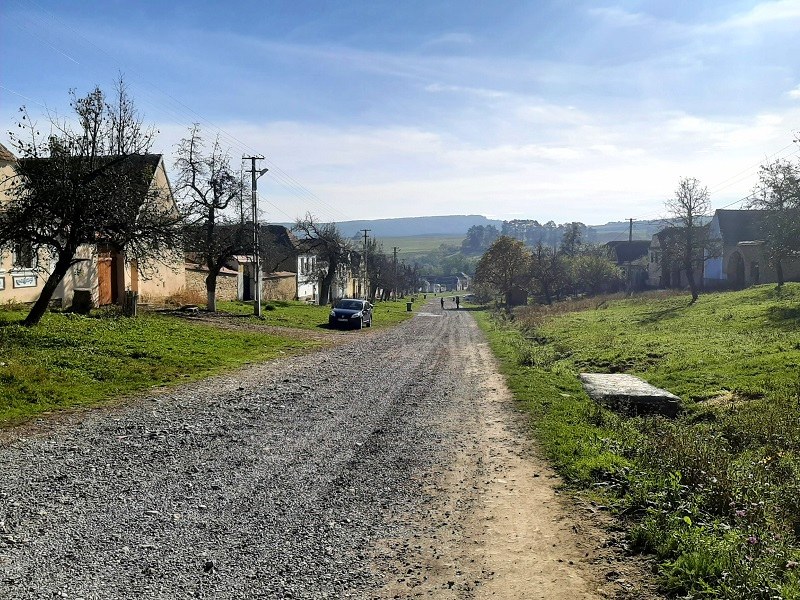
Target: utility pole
<point x="630" y="250"/>
<point x="366" y="277"/>
<point x="256" y="244"/>
<point x="394" y="279"/>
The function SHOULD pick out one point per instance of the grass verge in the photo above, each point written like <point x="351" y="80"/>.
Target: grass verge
<point x="69" y="360"/>
<point x="302" y="315"/>
<point x="714" y="494"/>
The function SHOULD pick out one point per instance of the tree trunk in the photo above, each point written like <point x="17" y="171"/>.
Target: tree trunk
<point x="211" y="291"/>
<point x="40" y="306"/>
<point x="547" y="296"/>
<point x="779" y="272"/>
<point x="692" y="284"/>
<point x="325" y="285"/>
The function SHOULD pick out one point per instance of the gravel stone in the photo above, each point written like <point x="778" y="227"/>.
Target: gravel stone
<point x="278" y="480"/>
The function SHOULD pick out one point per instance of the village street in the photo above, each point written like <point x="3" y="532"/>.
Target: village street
<point x="391" y="466"/>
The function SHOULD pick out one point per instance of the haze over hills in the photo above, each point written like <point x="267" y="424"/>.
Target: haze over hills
<point x="457" y="225"/>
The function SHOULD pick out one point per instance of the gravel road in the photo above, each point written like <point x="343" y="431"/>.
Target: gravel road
<point x="277" y="481"/>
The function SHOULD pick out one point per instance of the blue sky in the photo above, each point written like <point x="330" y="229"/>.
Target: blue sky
<point x="559" y="110"/>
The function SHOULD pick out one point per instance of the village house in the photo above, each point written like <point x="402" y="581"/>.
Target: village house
<point x="633" y="259"/>
<point x="665" y="268"/>
<point x="102" y="271"/>
<point x="741" y="260"/>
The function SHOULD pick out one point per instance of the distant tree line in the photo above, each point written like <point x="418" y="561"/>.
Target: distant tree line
<point x="546" y="272"/>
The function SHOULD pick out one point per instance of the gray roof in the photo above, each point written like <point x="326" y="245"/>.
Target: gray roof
<point x="740" y="225"/>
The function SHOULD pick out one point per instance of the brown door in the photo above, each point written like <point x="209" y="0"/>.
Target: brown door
<point x="104" y="276"/>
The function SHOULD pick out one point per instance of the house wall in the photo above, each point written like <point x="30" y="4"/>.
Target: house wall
<point x="16" y="284"/>
<point x="227" y="283"/>
<point x="279" y="287"/>
<point x="307" y="284"/>
<point x="19" y="285"/>
<point x="166" y="276"/>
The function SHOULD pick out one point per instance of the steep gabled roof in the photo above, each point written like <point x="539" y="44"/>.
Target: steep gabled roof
<point x="6" y="154"/>
<point x="280" y="236"/>
<point x="740" y="225"/>
<point x="624" y="251"/>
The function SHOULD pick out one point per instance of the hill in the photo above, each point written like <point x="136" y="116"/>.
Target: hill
<point x="449" y="227"/>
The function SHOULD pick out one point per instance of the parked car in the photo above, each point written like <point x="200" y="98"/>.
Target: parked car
<point x="349" y="312"/>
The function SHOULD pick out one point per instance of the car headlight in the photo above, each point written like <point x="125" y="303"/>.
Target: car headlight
<point x="358" y="315"/>
<point x="332" y="314"/>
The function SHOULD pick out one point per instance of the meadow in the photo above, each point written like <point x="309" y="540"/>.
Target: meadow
<point x="713" y="494"/>
<point x="70" y="361"/>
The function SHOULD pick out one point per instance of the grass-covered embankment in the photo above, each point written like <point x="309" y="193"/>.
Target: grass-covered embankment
<point x="302" y="315"/>
<point x="715" y="494"/>
<point x="68" y="360"/>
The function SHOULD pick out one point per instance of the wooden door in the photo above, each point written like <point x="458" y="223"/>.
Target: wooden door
<point x="104" y="278"/>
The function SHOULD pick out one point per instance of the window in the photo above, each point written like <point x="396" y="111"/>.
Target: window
<point x="24" y="256"/>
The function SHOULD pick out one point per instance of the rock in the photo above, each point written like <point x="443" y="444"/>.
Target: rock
<point x="630" y="395"/>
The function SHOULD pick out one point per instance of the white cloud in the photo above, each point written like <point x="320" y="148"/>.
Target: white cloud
<point x="784" y="12"/>
<point x="619" y="17"/>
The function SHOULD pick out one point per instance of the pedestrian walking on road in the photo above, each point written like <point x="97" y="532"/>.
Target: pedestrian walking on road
<point x="458" y="302"/>
<point x="442" y="301"/>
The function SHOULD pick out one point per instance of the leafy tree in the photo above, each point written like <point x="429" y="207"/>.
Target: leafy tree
<point x="87" y="182"/>
<point x="332" y="249"/>
<point x="211" y="201"/>
<point x="503" y="266"/>
<point x="688" y="208"/>
<point x="778" y="192"/>
<point x="479" y="237"/>
<point x="592" y="272"/>
<point x="572" y="238"/>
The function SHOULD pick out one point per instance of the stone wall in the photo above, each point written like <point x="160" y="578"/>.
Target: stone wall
<point x="279" y="287"/>
<point x="227" y="283"/>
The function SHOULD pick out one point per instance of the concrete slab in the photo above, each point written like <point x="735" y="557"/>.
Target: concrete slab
<point x="629" y="394"/>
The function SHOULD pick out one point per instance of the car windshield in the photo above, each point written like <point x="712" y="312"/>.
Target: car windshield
<point x="350" y="304"/>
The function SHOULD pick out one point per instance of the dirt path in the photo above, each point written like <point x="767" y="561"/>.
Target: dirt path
<point x="392" y="465"/>
<point x="497" y="526"/>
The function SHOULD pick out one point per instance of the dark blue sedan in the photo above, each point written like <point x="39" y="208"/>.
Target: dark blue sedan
<point x="349" y="312"/>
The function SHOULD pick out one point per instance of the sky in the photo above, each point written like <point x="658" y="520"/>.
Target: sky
<point x="557" y="110"/>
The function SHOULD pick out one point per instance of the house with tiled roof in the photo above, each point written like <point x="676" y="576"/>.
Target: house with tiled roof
<point x="101" y="270"/>
<point x="743" y="260"/>
<point x="633" y="259"/>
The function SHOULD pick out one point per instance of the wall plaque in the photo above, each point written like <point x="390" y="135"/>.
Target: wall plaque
<point x="24" y="281"/>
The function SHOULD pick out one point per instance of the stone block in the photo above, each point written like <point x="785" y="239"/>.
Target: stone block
<point x="630" y="395"/>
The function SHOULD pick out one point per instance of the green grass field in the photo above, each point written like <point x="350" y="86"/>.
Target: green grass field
<point x="70" y="360"/>
<point x="714" y="494"/>
<point x="303" y="315"/>
<point x="418" y="244"/>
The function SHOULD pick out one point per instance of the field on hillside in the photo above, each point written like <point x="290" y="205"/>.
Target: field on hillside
<point x="714" y="494"/>
<point x="418" y="244"/>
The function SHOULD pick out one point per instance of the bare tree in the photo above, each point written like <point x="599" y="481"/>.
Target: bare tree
<point x="87" y="183"/>
<point x="689" y="207"/>
<point x="210" y="192"/>
<point x="327" y="242"/>
<point x="778" y="193"/>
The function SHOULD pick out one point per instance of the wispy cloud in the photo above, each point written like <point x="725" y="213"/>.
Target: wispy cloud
<point x="783" y="12"/>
